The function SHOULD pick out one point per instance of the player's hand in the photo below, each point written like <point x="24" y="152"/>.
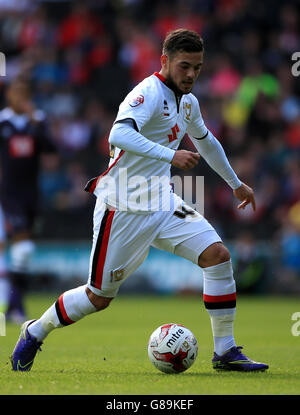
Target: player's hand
<point x="245" y="194"/>
<point x="185" y="160"/>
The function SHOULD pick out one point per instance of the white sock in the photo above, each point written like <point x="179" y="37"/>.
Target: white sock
<point x="222" y="344"/>
<point x="222" y="329"/>
<point x="71" y="306"/>
<point x="219" y="294"/>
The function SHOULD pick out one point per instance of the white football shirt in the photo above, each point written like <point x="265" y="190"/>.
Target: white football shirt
<point x="139" y="183"/>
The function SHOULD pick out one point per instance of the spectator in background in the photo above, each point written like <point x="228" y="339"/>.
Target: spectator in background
<point x="139" y="51"/>
<point x="79" y="27"/>
<point x="226" y="79"/>
<point x="288" y="245"/>
<point x="251" y="265"/>
<point x="53" y="181"/>
<point x="255" y="82"/>
<point x="170" y="16"/>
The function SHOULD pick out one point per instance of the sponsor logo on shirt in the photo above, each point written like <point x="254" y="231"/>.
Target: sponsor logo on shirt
<point x="134" y="102"/>
<point x="21" y="146"/>
<point x="166" y="109"/>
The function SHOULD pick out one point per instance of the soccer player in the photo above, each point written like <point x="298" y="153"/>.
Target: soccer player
<point x="23" y="137"/>
<point x="135" y="208"/>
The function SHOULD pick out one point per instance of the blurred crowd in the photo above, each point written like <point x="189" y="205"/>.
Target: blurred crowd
<point x="82" y="57"/>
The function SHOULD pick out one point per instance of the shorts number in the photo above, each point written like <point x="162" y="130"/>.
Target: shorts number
<point x="184" y="212"/>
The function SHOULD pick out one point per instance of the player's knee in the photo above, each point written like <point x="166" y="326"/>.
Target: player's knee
<point x="215" y="254"/>
<point x="100" y="303"/>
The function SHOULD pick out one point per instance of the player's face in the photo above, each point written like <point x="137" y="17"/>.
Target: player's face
<point x="18" y="97"/>
<point x="182" y="69"/>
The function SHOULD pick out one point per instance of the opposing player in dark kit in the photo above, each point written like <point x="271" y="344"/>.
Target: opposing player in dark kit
<point x="24" y="136"/>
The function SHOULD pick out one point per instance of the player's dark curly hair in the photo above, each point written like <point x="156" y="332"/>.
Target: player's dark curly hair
<point x="182" y="40"/>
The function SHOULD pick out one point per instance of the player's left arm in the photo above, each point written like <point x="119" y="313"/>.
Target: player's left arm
<point x="213" y="153"/>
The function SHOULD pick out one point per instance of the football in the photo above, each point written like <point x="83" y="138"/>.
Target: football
<point x="172" y="348"/>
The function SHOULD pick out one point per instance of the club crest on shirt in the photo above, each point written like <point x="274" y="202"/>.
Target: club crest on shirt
<point x="117" y="274"/>
<point x="112" y="150"/>
<point x="134" y="102"/>
<point x="187" y="109"/>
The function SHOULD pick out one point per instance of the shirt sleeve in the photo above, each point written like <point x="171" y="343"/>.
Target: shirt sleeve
<point x="124" y="136"/>
<point x="197" y="127"/>
<point x="213" y="153"/>
<point x="139" y="105"/>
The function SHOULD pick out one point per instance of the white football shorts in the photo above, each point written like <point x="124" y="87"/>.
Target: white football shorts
<point x="121" y="242"/>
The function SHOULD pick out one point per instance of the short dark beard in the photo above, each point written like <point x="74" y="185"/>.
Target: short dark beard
<point x="171" y="84"/>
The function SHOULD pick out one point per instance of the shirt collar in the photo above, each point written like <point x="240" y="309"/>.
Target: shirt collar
<point x="163" y="79"/>
<point x="159" y="76"/>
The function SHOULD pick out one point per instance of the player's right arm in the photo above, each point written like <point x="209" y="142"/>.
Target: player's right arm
<point x="124" y="135"/>
<point x="135" y="112"/>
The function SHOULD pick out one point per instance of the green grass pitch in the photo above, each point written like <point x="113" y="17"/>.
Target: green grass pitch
<point x="106" y="353"/>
